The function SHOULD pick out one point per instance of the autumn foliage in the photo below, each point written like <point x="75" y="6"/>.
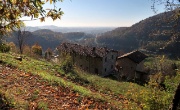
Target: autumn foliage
<point x="12" y="10"/>
<point x="37" y="50"/>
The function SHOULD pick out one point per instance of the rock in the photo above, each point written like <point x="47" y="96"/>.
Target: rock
<point x="19" y="58"/>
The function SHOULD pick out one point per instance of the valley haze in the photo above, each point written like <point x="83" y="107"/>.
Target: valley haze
<point x="88" y="30"/>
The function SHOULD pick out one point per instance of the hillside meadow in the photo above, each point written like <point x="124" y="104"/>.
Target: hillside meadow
<point x="77" y="88"/>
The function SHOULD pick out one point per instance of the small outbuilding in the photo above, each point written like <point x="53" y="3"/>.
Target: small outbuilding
<point x="130" y="66"/>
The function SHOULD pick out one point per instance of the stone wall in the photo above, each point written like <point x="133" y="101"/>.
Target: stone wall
<point x="109" y="62"/>
<point x="140" y="66"/>
<point x="126" y="68"/>
<point x="97" y="65"/>
<point x="87" y="63"/>
<point x="130" y="70"/>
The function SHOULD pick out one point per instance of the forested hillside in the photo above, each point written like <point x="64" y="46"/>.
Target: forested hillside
<point x="158" y="33"/>
<point x="49" y="39"/>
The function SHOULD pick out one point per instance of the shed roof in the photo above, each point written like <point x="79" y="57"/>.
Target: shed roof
<point x="135" y="56"/>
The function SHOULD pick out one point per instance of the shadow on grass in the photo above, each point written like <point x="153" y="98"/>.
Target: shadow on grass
<point x="72" y="75"/>
<point x="4" y="105"/>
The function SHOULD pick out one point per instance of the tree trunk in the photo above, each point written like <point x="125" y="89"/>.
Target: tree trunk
<point x="176" y="100"/>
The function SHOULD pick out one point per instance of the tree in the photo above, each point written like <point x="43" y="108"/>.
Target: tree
<point x="21" y="37"/>
<point x="169" y="4"/>
<point x="66" y="62"/>
<point x="12" y="47"/>
<point x="174" y="18"/>
<point x="37" y="50"/>
<point x="12" y="10"/>
<point x="48" y="54"/>
<point x="27" y="50"/>
<point x="176" y="100"/>
<point x="4" y="47"/>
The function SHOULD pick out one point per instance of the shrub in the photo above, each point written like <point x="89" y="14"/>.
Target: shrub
<point x="12" y="47"/>
<point x="66" y="62"/>
<point x="154" y="97"/>
<point x="27" y="50"/>
<point x="4" y="48"/>
<point x="37" y="50"/>
<point x="42" y="105"/>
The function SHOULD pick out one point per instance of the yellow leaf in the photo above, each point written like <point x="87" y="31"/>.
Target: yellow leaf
<point x="25" y="1"/>
<point x="42" y="19"/>
<point x="14" y="1"/>
<point x="50" y="1"/>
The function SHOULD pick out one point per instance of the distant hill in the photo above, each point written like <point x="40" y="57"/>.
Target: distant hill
<point x="87" y="30"/>
<point x="50" y="39"/>
<point x="158" y="33"/>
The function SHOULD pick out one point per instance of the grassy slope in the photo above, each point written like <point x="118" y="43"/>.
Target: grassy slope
<point x="98" y="88"/>
<point x="25" y="91"/>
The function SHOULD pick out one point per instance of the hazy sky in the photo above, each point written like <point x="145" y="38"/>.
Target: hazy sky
<point x="101" y="13"/>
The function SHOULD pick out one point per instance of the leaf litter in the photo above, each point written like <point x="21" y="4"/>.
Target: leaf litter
<point x="38" y="93"/>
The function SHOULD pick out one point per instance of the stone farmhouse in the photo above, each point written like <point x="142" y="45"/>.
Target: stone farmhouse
<point x="130" y="66"/>
<point x="100" y="61"/>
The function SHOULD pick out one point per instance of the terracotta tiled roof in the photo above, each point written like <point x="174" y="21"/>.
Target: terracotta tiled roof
<point x="135" y="56"/>
<point x="84" y="50"/>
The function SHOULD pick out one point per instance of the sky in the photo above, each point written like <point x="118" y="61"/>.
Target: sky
<point x="100" y="13"/>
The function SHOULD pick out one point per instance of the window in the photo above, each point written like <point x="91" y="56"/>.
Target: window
<point x="106" y="59"/>
<point x="121" y="68"/>
<point x="105" y="69"/>
<point x="80" y="56"/>
<point x="112" y="56"/>
<point x="96" y="70"/>
<point x="111" y="66"/>
<point x="75" y="54"/>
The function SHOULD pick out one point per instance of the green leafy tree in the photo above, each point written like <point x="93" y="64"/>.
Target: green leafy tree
<point x="66" y="62"/>
<point x="4" y="47"/>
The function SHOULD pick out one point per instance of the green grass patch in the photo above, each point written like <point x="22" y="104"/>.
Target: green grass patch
<point x="42" y="105"/>
<point x="47" y="71"/>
